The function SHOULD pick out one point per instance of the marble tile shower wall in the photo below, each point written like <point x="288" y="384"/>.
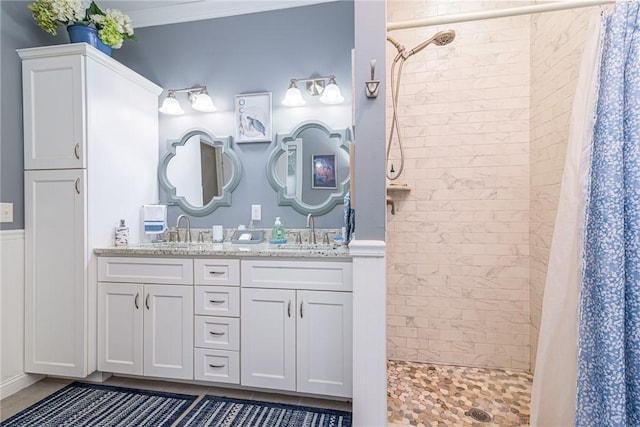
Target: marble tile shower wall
<point x="458" y="245"/>
<point x="557" y="42"/>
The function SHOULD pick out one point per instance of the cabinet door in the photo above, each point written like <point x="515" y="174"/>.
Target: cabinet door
<point x="55" y="273"/>
<point x="120" y="328"/>
<point x="54" y="113"/>
<point x="168" y="331"/>
<point x="324" y="345"/>
<point x="268" y="348"/>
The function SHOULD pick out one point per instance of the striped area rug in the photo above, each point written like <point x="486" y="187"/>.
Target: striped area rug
<point x="80" y="404"/>
<point x="226" y="412"/>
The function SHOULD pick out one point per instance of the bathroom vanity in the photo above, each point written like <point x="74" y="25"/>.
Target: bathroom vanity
<point x="261" y="317"/>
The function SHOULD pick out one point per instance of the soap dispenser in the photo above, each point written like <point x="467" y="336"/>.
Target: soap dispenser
<point x="122" y="234"/>
<point x="277" y="233"/>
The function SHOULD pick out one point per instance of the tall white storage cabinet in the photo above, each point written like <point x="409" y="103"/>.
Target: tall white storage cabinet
<point x="90" y="156"/>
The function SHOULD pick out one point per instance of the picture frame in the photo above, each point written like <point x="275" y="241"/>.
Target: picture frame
<point x="253" y="117"/>
<point x="323" y="171"/>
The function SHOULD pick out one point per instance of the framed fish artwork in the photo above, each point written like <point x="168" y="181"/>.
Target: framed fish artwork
<point x="253" y="117"/>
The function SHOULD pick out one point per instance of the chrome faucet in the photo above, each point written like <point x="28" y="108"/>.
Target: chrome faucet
<point x="187" y="234"/>
<point x="312" y="232"/>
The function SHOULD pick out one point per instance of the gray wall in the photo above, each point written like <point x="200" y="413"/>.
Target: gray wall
<point x="17" y="31"/>
<point x="243" y="54"/>
<point x="370" y="203"/>
<point x="250" y="53"/>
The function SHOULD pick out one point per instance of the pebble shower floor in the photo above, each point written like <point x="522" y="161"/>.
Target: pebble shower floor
<point x="422" y="394"/>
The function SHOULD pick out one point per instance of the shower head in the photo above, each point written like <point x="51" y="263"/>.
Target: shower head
<point x="441" y="38"/>
<point x="444" y="37"/>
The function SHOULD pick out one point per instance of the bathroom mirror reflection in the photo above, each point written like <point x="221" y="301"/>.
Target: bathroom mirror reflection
<point x="309" y="167"/>
<point x="199" y="172"/>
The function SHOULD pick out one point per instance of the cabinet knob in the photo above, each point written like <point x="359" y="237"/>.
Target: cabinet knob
<point x="136" y="301"/>
<point x="216" y="366"/>
<point x="76" y="151"/>
<point x="78" y="185"/>
<point x="218" y="334"/>
<point x="301" y="303"/>
<point x="289" y="309"/>
<point x="216" y="273"/>
<point x="216" y="301"/>
<point x="146" y="301"/>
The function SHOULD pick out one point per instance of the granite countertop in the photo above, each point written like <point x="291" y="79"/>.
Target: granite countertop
<point x="228" y="249"/>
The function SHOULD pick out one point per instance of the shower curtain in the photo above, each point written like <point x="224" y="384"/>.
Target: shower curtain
<point x="588" y="361"/>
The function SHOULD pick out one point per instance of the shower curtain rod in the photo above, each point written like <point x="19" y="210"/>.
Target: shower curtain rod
<point x="497" y="13"/>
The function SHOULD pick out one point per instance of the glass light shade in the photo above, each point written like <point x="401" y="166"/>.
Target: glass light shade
<point x="331" y="94"/>
<point x="171" y="106"/>
<point x="203" y="102"/>
<point x="293" y="98"/>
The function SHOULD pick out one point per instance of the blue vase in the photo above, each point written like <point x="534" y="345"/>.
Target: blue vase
<point x="89" y="35"/>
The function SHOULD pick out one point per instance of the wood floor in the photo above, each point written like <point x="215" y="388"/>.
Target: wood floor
<point x="24" y="398"/>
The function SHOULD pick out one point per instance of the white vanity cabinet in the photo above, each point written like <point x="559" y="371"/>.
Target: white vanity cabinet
<point x="217" y="320"/>
<point x="145" y="316"/>
<point x="296" y="326"/>
<point x="91" y="151"/>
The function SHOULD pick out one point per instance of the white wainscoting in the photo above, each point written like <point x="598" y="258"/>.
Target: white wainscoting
<point x="12" y="376"/>
<point x="369" y="333"/>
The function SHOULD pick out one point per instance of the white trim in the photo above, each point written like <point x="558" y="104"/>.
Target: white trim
<point x="17" y="383"/>
<point x="497" y="13"/>
<point x="93" y="53"/>
<point x="367" y="248"/>
<point x="208" y="9"/>
<point x="12" y="234"/>
<point x="369" y="333"/>
<point x="11" y="323"/>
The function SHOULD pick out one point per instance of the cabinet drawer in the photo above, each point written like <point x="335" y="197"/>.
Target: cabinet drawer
<point x="217" y="272"/>
<point x="222" y="333"/>
<point x="218" y="301"/>
<point x="308" y="275"/>
<point x="173" y="271"/>
<point x="217" y="365"/>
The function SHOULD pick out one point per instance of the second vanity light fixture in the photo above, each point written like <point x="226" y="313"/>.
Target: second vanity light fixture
<point x="200" y="101"/>
<point x="329" y="91"/>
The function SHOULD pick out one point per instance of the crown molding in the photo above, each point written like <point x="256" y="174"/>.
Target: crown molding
<point x="208" y="9"/>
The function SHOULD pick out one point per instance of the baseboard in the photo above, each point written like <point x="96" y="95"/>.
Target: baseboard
<point x="17" y="383"/>
<point x="98" y="377"/>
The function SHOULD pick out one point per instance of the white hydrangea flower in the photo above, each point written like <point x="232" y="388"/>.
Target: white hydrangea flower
<point x="67" y="10"/>
<point x="123" y="21"/>
<point x="96" y="19"/>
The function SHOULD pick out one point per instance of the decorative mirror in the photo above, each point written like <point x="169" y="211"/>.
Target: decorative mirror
<point x="309" y="168"/>
<point x="199" y="172"/>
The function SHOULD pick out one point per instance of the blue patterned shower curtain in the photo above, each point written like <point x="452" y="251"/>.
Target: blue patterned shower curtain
<point x="608" y="380"/>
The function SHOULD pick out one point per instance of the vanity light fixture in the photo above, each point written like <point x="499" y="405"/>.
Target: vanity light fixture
<point x="330" y="92"/>
<point x="200" y="101"/>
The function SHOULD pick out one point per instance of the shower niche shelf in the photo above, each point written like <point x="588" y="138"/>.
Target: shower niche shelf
<point x="392" y="188"/>
<point x="398" y="187"/>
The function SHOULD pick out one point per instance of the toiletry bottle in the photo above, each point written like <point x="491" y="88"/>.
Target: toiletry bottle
<point x="278" y="230"/>
<point x="122" y="234"/>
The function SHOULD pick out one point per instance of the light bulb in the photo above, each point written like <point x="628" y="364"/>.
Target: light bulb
<point x="331" y="94"/>
<point x="171" y="106"/>
<point x="293" y="97"/>
<point x="203" y="102"/>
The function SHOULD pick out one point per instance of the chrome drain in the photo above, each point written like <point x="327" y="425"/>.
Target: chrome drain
<point x="478" y="415"/>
